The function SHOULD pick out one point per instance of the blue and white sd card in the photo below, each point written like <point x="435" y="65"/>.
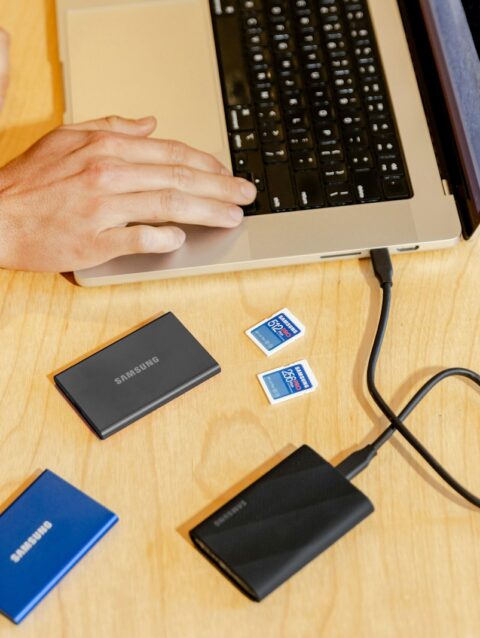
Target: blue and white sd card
<point x="288" y="382"/>
<point x="275" y="332"/>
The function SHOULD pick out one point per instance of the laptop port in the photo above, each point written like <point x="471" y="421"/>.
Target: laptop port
<point x="407" y="249"/>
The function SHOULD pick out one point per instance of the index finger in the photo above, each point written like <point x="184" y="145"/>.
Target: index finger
<point x="128" y="140"/>
<point x="155" y="151"/>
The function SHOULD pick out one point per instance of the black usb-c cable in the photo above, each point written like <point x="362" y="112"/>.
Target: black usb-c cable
<point x="359" y="460"/>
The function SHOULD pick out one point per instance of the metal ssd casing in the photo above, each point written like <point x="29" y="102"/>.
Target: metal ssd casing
<point x="136" y="374"/>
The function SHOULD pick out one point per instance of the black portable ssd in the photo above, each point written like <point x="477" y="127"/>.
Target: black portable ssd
<point x="281" y="522"/>
<point x="136" y="374"/>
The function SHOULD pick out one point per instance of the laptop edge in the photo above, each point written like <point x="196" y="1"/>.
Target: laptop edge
<point x="429" y="220"/>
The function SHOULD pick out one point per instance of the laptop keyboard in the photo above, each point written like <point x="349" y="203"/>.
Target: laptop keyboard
<point x="306" y="104"/>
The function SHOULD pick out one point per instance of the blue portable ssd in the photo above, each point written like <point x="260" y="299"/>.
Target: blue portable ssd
<point x="43" y="534"/>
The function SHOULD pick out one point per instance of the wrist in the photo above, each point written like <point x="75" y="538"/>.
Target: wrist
<point x="7" y="231"/>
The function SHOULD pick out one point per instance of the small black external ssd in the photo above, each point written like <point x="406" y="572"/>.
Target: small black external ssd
<point x="136" y="374"/>
<point x="281" y="522"/>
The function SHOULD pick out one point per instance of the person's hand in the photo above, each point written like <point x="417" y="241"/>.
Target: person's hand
<point x="65" y="202"/>
<point x="4" y="66"/>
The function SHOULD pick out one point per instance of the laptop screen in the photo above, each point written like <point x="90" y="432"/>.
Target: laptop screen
<point x="472" y="12"/>
<point x="454" y="30"/>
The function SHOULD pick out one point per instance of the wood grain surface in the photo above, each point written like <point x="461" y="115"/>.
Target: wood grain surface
<point x="411" y="569"/>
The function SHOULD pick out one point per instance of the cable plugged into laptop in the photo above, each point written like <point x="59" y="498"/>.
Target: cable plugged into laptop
<point x="360" y="459"/>
<point x="382" y="266"/>
<point x="296" y="510"/>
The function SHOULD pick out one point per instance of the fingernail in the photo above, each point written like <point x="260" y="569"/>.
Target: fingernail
<point x="248" y="189"/>
<point x="179" y="235"/>
<point x="236" y="214"/>
<point x="145" y="120"/>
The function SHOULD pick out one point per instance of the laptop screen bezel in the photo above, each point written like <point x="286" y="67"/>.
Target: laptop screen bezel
<point x="458" y="65"/>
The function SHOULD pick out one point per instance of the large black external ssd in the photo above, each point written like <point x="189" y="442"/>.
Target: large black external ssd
<point x="136" y="374"/>
<point x="281" y="522"/>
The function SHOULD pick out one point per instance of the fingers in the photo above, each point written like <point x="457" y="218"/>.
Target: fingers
<point x="120" y="177"/>
<point x="141" y="150"/>
<point x="4" y="65"/>
<point x="154" y="151"/>
<point x="116" y="124"/>
<point x="171" y="206"/>
<point x="138" y="239"/>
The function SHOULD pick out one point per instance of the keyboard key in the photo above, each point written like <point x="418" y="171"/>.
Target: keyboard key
<point x="323" y="112"/>
<point x="360" y="159"/>
<point x="248" y="162"/>
<point x="241" y="119"/>
<point x="372" y="87"/>
<point x="300" y="141"/>
<point x="331" y="153"/>
<point x="357" y="139"/>
<point x="391" y="167"/>
<point x="280" y="188"/>
<point x="293" y="101"/>
<point x="287" y="66"/>
<point x="304" y="159"/>
<point x="263" y="78"/>
<point x="284" y="48"/>
<point x="251" y="5"/>
<point x="367" y="186"/>
<point x="267" y="95"/>
<point x="307" y="23"/>
<point x="268" y="114"/>
<point x="335" y="172"/>
<point x="255" y="40"/>
<point x="290" y="84"/>
<point x="224" y="7"/>
<point x="297" y="121"/>
<point x="271" y="133"/>
<point x="319" y="94"/>
<point x="317" y="75"/>
<point x="380" y="126"/>
<point x="309" y="189"/>
<point x="313" y="57"/>
<point x="353" y="121"/>
<point x="261" y="59"/>
<point x="262" y="203"/>
<point x="274" y="153"/>
<point x="386" y="148"/>
<point x="240" y="162"/>
<point x="376" y="107"/>
<point x="237" y="88"/>
<point x="327" y="133"/>
<point x="339" y="194"/>
<point x="245" y="140"/>
<point x="396" y="188"/>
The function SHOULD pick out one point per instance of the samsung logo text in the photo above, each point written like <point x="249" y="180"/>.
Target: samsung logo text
<point x="31" y="541"/>
<point x="126" y="376"/>
<point x="229" y="513"/>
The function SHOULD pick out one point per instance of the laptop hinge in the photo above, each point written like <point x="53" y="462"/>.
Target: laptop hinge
<point x="441" y="130"/>
<point x="446" y="187"/>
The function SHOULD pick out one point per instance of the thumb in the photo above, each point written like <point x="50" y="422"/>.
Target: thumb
<point x="116" y="124"/>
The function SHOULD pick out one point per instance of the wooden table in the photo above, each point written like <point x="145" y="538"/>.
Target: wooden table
<point x="412" y="569"/>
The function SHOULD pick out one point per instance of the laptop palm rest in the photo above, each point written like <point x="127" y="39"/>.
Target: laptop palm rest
<point x="148" y="58"/>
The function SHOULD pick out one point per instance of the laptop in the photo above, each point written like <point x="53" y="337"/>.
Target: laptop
<point x="358" y="120"/>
